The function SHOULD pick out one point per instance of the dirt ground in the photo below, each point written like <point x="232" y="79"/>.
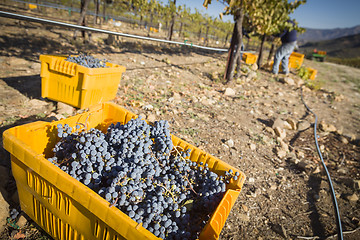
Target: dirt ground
<point x="285" y="195"/>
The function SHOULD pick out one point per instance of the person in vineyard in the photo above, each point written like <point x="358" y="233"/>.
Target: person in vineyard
<point x="282" y="54"/>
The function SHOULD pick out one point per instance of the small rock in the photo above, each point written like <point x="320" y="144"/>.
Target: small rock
<point x="292" y="123"/>
<point x="287" y="125"/>
<point x="251" y="180"/>
<point x="292" y="159"/>
<point x="283" y="145"/>
<point x="148" y="107"/>
<point x="303" y="125"/>
<point x="357" y="185"/>
<point x="59" y="116"/>
<point x="352" y="198"/>
<point x="203" y="117"/>
<point x="300" y="154"/>
<point x="142" y="63"/>
<point x="298" y="82"/>
<point x="36" y="103"/>
<point x="151" y="118"/>
<point x="245" y="208"/>
<point x="342" y="171"/>
<point x="278" y="123"/>
<point x="324" y="185"/>
<point x="267" y="140"/>
<point x="322" y="148"/>
<point x="221" y="118"/>
<point x="4" y="212"/>
<point x="251" y="75"/>
<point x="176" y="96"/>
<point x="327" y="127"/>
<point x="252" y="147"/>
<point x="270" y="130"/>
<point x="281" y="153"/>
<point x="63" y="108"/>
<point x="254" y="67"/>
<point x="241" y="80"/>
<point x="22" y="221"/>
<point x="289" y="81"/>
<point x="229" y="92"/>
<point x="331" y="128"/>
<point x="281" y="133"/>
<point x="230" y="143"/>
<point x="243" y="217"/>
<point x="344" y="140"/>
<point x="316" y="170"/>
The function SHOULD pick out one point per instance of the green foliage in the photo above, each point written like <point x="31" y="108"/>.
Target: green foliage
<point x="304" y="73"/>
<point x="314" y="84"/>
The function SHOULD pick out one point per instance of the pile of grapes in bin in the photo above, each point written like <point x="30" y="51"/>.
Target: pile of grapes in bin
<point x="87" y="61"/>
<point x="136" y="168"/>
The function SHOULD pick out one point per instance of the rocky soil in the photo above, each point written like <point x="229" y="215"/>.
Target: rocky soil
<point x="257" y="124"/>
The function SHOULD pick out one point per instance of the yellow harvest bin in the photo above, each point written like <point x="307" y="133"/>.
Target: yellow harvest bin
<point x="249" y="58"/>
<point x="32" y="6"/>
<point x="313" y="73"/>
<point x="296" y="60"/>
<point x="67" y="209"/>
<point x="77" y="85"/>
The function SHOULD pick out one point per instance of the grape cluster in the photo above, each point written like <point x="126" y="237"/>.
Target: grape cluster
<point x="136" y="168"/>
<point x="87" y="61"/>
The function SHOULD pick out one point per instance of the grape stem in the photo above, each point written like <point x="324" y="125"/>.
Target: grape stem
<point x="187" y="179"/>
<point x="168" y="191"/>
<point x="152" y="154"/>
<point x="112" y="204"/>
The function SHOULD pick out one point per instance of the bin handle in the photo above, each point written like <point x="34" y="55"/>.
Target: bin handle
<point x="65" y="67"/>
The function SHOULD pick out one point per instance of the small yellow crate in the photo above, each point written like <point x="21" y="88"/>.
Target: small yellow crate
<point x="313" y="73"/>
<point x="77" y="85"/>
<point x="249" y="58"/>
<point x="67" y="209"/>
<point x="32" y="6"/>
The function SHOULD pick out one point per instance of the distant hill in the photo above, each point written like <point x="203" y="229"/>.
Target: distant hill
<point x="344" y="47"/>
<point x="314" y="35"/>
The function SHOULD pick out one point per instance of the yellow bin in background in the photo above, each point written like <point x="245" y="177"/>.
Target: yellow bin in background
<point x="249" y="58"/>
<point x="77" y="85"/>
<point x="67" y="209"/>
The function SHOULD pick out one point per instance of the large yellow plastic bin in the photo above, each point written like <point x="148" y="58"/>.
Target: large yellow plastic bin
<point x="296" y="60"/>
<point x="77" y="85"/>
<point x="67" y="209"/>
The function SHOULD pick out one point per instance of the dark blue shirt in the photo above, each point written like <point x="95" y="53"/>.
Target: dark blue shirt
<point x="287" y="37"/>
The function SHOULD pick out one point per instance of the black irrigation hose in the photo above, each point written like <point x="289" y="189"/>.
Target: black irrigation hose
<point x="337" y="214"/>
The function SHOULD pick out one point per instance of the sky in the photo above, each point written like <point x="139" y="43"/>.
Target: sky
<point x="319" y="14"/>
